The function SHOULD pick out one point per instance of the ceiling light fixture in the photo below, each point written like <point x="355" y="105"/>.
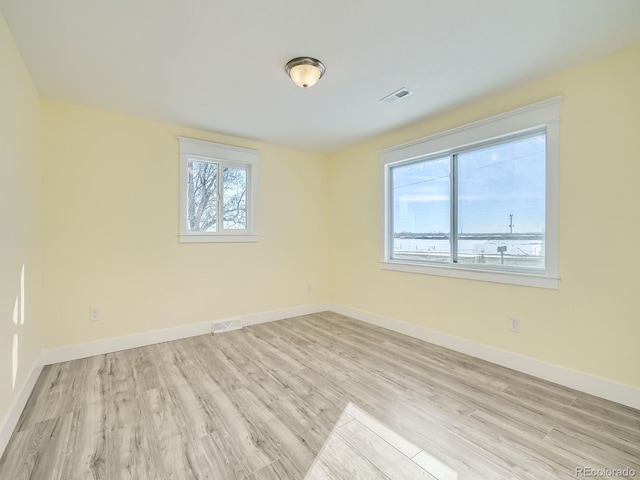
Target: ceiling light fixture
<point x="305" y="71"/>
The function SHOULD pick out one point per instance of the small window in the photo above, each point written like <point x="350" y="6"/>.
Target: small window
<point x="218" y="192"/>
<point x="477" y="202"/>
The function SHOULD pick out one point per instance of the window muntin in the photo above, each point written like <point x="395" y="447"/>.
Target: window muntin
<point x="464" y="147"/>
<point x="218" y="192"/>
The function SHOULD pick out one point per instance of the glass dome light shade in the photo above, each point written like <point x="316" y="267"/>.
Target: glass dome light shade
<point x="304" y="71"/>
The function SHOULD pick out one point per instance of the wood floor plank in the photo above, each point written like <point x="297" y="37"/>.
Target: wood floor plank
<point x="388" y="460"/>
<point x="281" y="469"/>
<point x="260" y="402"/>
<point x="341" y="461"/>
<point x="87" y="446"/>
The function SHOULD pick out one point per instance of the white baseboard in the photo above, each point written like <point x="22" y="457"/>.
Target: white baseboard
<point x="583" y="382"/>
<point x="74" y="352"/>
<point x="275" y="315"/>
<point x="11" y="419"/>
<point x="607" y="389"/>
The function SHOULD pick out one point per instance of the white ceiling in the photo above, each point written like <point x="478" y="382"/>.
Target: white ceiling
<point x="219" y="64"/>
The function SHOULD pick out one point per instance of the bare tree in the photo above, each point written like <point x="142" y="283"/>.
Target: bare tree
<point x="234" y="208"/>
<point x="202" y="197"/>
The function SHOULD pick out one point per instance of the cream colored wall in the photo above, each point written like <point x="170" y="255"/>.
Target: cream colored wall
<point x="20" y="202"/>
<point x="110" y="224"/>
<point x="111" y="184"/>
<point x="592" y="322"/>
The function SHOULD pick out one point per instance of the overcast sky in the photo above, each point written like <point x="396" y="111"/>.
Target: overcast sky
<point x="494" y="182"/>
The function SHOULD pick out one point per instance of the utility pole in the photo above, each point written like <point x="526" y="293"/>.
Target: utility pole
<point x="511" y="223"/>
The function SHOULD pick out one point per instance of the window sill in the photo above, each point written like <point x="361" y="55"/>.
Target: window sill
<point x="512" y="278"/>
<point x="207" y="238"/>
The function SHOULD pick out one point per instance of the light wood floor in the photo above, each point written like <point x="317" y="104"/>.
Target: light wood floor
<point x="361" y="448"/>
<point x="259" y="403"/>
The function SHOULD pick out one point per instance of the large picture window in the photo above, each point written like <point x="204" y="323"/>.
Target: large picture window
<point x="483" y="207"/>
<point x="218" y="185"/>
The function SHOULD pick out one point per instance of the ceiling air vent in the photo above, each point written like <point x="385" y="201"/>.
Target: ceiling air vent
<point x="397" y="95"/>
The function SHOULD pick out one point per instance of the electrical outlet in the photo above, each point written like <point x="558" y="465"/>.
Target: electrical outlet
<point x="308" y="288"/>
<point x="94" y="314"/>
<point x="514" y="324"/>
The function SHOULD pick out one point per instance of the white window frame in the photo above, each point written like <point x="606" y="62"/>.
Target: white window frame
<point x="545" y="114"/>
<point x="224" y="156"/>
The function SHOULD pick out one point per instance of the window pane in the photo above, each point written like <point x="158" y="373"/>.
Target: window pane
<point x="501" y="204"/>
<point x="202" y="198"/>
<point x="421" y="211"/>
<point x="234" y="198"/>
